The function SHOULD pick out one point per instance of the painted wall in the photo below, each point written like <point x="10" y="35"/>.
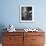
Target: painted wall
<point x="10" y="13"/>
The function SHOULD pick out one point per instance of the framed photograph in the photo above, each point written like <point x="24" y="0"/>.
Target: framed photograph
<point x="26" y="13"/>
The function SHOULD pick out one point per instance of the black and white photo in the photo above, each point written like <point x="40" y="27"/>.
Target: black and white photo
<point x="26" y="13"/>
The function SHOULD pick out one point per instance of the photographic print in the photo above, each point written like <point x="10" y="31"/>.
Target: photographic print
<point x="26" y="13"/>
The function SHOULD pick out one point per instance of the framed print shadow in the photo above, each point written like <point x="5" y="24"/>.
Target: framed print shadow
<point x="26" y="13"/>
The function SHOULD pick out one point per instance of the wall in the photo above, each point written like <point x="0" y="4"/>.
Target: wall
<point x="10" y="10"/>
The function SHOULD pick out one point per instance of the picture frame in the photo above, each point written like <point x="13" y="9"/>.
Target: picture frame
<point x="26" y="13"/>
